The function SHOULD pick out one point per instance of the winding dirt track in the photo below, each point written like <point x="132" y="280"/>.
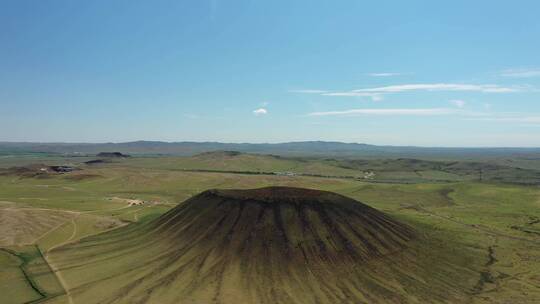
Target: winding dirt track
<point x="54" y="268"/>
<point x="60" y="278"/>
<point x="9" y="215"/>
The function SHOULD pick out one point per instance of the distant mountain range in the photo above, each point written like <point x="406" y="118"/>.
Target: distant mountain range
<point x="303" y="148"/>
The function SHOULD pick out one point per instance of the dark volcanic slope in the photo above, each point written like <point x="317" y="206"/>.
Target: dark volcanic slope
<point x="301" y="226"/>
<point x="269" y="245"/>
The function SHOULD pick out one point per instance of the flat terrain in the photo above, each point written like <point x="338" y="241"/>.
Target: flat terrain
<point x="483" y="232"/>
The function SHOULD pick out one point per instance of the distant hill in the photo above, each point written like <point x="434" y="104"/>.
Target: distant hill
<point x="402" y="170"/>
<point x="304" y="148"/>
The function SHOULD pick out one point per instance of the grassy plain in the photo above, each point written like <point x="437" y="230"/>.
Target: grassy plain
<point x="487" y="230"/>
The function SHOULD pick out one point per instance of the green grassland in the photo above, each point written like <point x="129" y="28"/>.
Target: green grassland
<point x="398" y="170"/>
<point x="22" y="159"/>
<point x="483" y="231"/>
<point x="16" y="288"/>
<point x="26" y="276"/>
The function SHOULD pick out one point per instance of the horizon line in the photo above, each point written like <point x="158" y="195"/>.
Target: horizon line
<point x="267" y="143"/>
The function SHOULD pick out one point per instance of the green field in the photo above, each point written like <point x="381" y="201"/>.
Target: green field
<point x="26" y="276"/>
<point x="485" y="230"/>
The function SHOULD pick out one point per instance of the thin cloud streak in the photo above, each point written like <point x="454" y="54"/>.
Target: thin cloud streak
<point x="407" y="112"/>
<point x="520" y="73"/>
<point x="377" y="93"/>
<point x="484" y="88"/>
<point x="383" y="74"/>
<point x="373" y="96"/>
<point x="308" y="91"/>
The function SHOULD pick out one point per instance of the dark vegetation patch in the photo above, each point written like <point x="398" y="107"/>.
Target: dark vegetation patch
<point x="219" y="154"/>
<point x="24" y="262"/>
<point x="27" y="171"/>
<point x="486" y="276"/>
<point x="33" y="265"/>
<point x="81" y="177"/>
<point x="63" y="169"/>
<point x="445" y="193"/>
<point x="38" y="170"/>
<point x="491" y="256"/>
<point x="529" y="227"/>
<point x="113" y="155"/>
<point x="97" y="161"/>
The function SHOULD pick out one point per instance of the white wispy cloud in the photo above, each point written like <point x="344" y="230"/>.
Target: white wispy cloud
<point x="519" y="118"/>
<point x="373" y="96"/>
<point x="409" y="112"/>
<point x="308" y="91"/>
<point x="260" y="111"/>
<point x="386" y="74"/>
<point x="378" y="93"/>
<point x="458" y="103"/>
<point x="521" y="73"/>
<point x="484" y="88"/>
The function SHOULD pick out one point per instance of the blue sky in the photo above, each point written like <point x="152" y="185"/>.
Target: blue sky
<point x="429" y="73"/>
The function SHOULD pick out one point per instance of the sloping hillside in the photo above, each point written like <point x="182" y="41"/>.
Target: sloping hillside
<point x="269" y="245"/>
